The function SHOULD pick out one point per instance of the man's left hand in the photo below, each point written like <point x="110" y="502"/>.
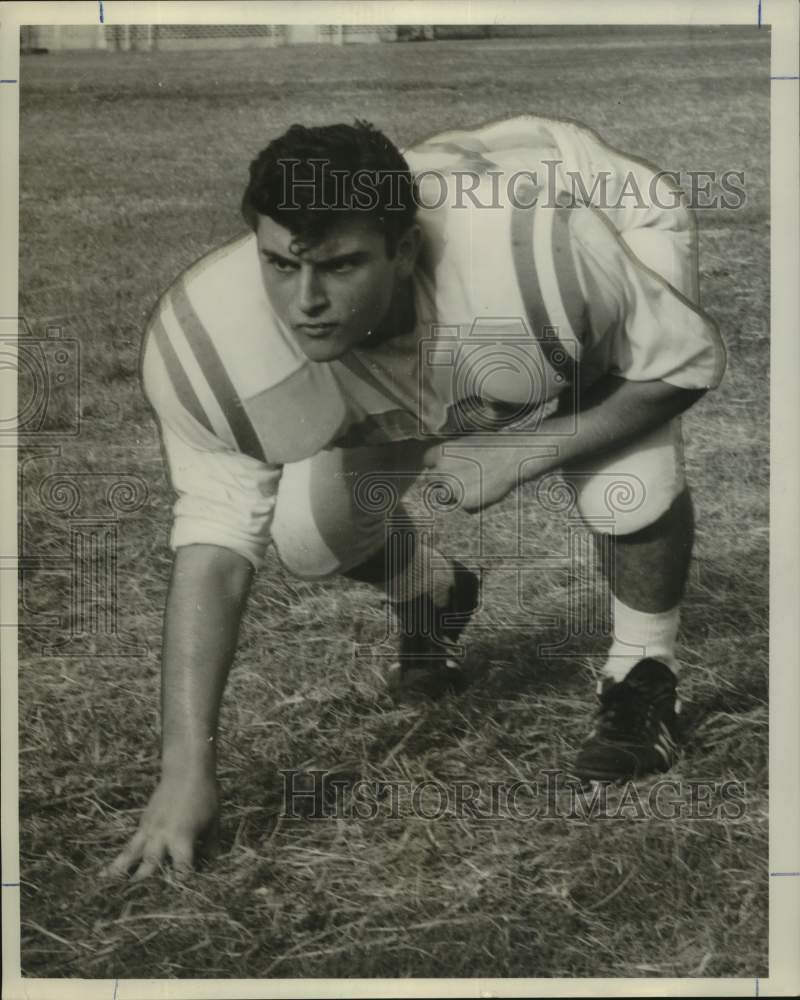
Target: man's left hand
<point x="484" y="475"/>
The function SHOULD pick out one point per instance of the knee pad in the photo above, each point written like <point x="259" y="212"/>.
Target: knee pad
<point x="298" y="541"/>
<point x="302" y="551"/>
<point x="621" y="503"/>
<point x="632" y="489"/>
<point x="317" y="530"/>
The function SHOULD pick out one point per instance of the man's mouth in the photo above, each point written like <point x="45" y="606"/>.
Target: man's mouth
<point x="316" y="329"/>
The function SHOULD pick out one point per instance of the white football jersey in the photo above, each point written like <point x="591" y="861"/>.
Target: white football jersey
<point x="521" y="293"/>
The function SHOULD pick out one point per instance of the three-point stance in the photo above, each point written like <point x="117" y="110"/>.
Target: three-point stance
<point x="287" y="365"/>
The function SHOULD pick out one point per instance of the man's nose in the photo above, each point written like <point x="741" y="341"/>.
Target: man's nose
<point x="312" y="297"/>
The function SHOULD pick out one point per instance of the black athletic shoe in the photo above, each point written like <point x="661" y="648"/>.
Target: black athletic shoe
<point x="636" y="728"/>
<point x="426" y="666"/>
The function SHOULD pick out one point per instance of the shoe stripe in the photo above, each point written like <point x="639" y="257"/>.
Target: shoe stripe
<point x="666" y="747"/>
<point x="664" y="754"/>
<point x="668" y="739"/>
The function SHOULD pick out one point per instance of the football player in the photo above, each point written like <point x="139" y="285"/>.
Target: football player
<point x="523" y="287"/>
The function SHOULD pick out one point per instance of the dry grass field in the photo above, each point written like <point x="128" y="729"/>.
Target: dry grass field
<point x="132" y="166"/>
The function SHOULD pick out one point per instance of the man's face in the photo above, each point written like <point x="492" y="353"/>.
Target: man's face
<point x="334" y="293"/>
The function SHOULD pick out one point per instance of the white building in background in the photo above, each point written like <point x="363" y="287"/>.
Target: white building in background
<point x="165" y="37"/>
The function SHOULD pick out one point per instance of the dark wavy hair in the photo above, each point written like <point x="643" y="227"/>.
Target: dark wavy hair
<point x="308" y="177"/>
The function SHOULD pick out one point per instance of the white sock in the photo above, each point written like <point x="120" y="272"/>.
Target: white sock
<point x="639" y="634"/>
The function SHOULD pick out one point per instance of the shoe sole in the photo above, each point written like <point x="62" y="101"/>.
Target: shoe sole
<point x="431" y="685"/>
<point x="615" y="778"/>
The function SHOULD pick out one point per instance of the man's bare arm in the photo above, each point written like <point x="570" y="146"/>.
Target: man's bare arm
<point x="613" y="413"/>
<point x="207" y="595"/>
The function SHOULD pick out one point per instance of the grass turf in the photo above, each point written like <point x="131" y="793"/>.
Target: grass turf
<point x="132" y="166"/>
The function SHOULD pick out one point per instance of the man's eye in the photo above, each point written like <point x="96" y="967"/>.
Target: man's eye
<point x="279" y="265"/>
<point x="342" y="266"/>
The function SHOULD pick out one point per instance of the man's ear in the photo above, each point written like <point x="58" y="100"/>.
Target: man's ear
<point x="408" y="247"/>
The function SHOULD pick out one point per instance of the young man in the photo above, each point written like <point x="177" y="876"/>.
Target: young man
<point x="290" y="371"/>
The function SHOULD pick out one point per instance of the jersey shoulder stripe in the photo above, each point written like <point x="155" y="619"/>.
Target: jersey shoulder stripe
<point x="562" y="292"/>
<point x="536" y="275"/>
<point x="214" y="371"/>
<point x="180" y="383"/>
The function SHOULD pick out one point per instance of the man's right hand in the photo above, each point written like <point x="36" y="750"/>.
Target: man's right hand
<point x="180" y="823"/>
<point x="207" y="595"/>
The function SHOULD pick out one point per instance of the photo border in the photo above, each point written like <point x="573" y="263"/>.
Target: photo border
<point x="784" y="688"/>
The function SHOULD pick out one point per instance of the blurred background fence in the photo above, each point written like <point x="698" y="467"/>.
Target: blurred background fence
<point x="150" y="37"/>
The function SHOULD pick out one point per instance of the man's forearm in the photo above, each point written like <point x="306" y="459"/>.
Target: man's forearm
<point x="207" y="595"/>
<point x="613" y="413"/>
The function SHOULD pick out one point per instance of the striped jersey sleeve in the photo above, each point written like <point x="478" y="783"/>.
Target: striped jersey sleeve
<point x="565" y="158"/>
<point x="639" y="325"/>
<point x="592" y="302"/>
<point x="225" y="496"/>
